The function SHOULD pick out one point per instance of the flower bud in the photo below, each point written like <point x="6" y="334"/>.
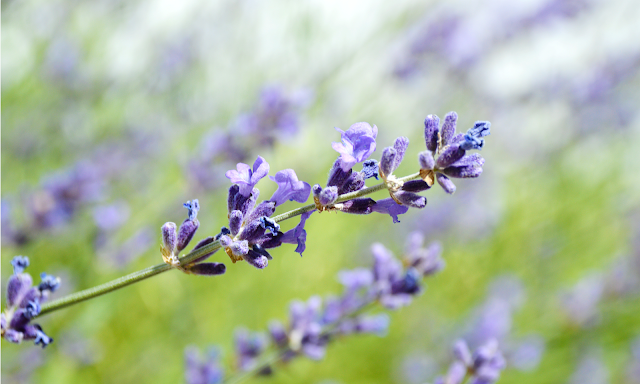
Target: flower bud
<point x="169" y="238"/>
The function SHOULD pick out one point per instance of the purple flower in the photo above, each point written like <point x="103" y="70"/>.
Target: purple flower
<point x="248" y="347"/>
<point x="202" y="370"/>
<point x="289" y="188"/>
<point x="23" y="304"/>
<point x="390" y="207"/>
<point x="484" y="365"/>
<point x="447" y="151"/>
<point x="298" y="235"/>
<point x="358" y="143"/>
<point x="246" y="177"/>
<point x="174" y="241"/>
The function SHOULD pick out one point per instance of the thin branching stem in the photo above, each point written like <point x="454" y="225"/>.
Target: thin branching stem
<point x="146" y="273"/>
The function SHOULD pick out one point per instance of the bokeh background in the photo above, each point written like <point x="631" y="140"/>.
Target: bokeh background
<point x="116" y="112"/>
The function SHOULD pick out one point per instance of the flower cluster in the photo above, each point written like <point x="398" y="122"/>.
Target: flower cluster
<point x="482" y="367"/>
<point x="313" y="324"/>
<point x="446" y="154"/>
<point x="247" y="238"/>
<point x="23" y="304"/>
<point x="175" y="241"/>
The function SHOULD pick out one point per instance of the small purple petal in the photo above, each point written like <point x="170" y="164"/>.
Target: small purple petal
<point x="208" y="269"/>
<point x="411" y="199"/>
<point x="298" y="235"/>
<point x="400" y="145"/>
<point x="169" y="238"/>
<point x="257" y="260"/>
<point x="361" y="206"/>
<point x="337" y="177"/>
<point x="431" y="124"/>
<point x="328" y="196"/>
<point x="265" y="208"/>
<point x="390" y="207"/>
<point x="247" y="178"/>
<point x="448" y="128"/>
<point x="446" y="183"/>
<point x="48" y="283"/>
<point x="415" y="186"/>
<point x="289" y="188"/>
<point x="470" y="159"/>
<point x="464" y="172"/>
<point x="354" y="183"/>
<point x="426" y="160"/>
<point x="387" y="161"/>
<point x="17" y="288"/>
<point x="449" y="156"/>
<point x="19" y="263"/>
<point x="358" y="143"/>
<point x="186" y="232"/>
<point x="235" y="221"/>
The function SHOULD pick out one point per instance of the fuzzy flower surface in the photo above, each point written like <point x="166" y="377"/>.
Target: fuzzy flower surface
<point x="357" y="144"/>
<point x="482" y="367"/>
<point x="23" y="304"/>
<point x="247" y="177"/>
<point x="446" y="155"/>
<point x="251" y="230"/>
<point x="174" y="240"/>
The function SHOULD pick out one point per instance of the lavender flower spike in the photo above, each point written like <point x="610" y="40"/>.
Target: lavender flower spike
<point x="246" y="177"/>
<point x="289" y="188"/>
<point x="358" y="143"/>
<point x="390" y="207"/>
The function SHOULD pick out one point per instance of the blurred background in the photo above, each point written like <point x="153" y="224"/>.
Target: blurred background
<point x="116" y="112"/>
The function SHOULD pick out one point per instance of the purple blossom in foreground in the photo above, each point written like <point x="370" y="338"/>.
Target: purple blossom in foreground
<point x="402" y="193"/>
<point x="481" y="367"/>
<point x="202" y="369"/>
<point x="446" y="155"/>
<point x="289" y="188"/>
<point x="357" y="144"/>
<point x="174" y="241"/>
<point x="23" y="304"/>
<point x="251" y="230"/>
<point x="318" y="321"/>
<point x="247" y="177"/>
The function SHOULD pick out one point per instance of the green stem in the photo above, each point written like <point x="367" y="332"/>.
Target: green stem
<point x="146" y="273"/>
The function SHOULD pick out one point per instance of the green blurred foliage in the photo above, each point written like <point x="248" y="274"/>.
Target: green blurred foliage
<point x="556" y="202"/>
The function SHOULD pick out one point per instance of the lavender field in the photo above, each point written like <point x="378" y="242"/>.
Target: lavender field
<point x="474" y="218"/>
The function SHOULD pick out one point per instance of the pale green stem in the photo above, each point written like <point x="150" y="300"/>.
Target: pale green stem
<point x="135" y="277"/>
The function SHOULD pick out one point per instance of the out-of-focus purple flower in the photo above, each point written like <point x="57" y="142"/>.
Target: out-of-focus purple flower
<point x="248" y="346"/>
<point x="358" y="143"/>
<point x="246" y="177"/>
<point x="580" y="303"/>
<point x="446" y="156"/>
<point x="202" y="370"/>
<point x="527" y="353"/>
<point x="23" y="304"/>
<point x="112" y="216"/>
<point x="298" y="235"/>
<point x="482" y="367"/>
<point x="390" y="207"/>
<point x="590" y="370"/>
<point x="289" y="188"/>
<point x="426" y="260"/>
